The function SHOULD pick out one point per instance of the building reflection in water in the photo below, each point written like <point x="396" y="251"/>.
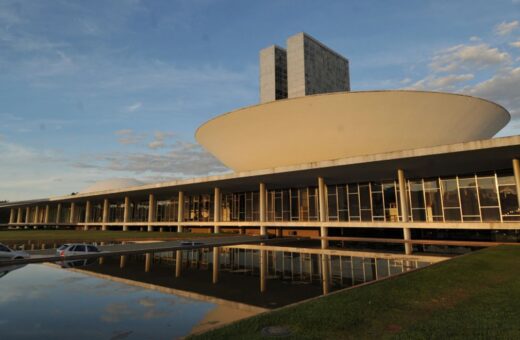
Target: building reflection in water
<point x="263" y="276"/>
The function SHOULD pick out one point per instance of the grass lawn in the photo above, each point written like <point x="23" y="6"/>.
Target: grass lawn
<point x="472" y="296"/>
<point x="79" y="235"/>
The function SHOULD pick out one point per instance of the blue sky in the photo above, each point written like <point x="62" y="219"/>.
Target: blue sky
<point x="94" y="90"/>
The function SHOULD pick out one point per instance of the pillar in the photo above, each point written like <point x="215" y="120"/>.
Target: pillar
<point x="216" y="209"/>
<point x="178" y="263"/>
<point x="19" y="216"/>
<point x="46" y="216"/>
<point x="263" y="270"/>
<point x="148" y="262"/>
<point x="325" y="273"/>
<point x="58" y="213"/>
<point x="180" y="211"/>
<point x="27" y="215"/>
<point x="11" y="216"/>
<point x="101" y="260"/>
<point x="216" y="263"/>
<point x="37" y="215"/>
<point x="126" y="213"/>
<point x="516" y="171"/>
<point x="122" y="261"/>
<point x="322" y="193"/>
<point x="151" y="211"/>
<point x="72" y="213"/>
<point x="403" y="199"/>
<point x="106" y="206"/>
<point x="263" y="215"/>
<point x="87" y="214"/>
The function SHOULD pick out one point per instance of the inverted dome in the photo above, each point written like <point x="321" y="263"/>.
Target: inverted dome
<point x="111" y="184"/>
<point x="339" y="125"/>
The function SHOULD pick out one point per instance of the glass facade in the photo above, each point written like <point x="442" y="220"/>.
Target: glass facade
<point x="490" y="197"/>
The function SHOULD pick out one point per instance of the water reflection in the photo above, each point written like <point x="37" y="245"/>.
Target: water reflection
<point x="170" y="294"/>
<point x="40" y="301"/>
<point x="254" y="275"/>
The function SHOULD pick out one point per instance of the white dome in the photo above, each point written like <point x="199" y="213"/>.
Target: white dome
<point x="111" y="184"/>
<point x="346" y="124"/>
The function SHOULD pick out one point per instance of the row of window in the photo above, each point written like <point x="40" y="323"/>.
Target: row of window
<point x="476" y="198"/>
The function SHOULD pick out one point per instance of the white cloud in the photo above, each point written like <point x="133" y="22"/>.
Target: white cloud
<point x="474" y="38"/>
<point x="515" y="44"/>
<point x="505" y="28"/>
<point x="129" y="136"/>
<point x="468" y="57"/>
<point x="182" y="159"/>
<point x="159" y="139"/>
<point x="433" y="82"/>
<point x="502" y="88"/>
<point x="134" y="107"/>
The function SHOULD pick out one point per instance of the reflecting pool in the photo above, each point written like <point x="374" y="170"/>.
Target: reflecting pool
<point x="167" y="295"/>
<point x="45" y="301"/>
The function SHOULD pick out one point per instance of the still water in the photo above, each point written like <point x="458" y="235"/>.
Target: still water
<point x="172" y="294"/>
<point x="43" y="302"/>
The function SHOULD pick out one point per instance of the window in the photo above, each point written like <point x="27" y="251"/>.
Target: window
<point x="79" y="248"/>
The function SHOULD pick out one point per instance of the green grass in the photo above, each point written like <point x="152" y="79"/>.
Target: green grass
<point x="78" y="235"/>
<point x="472" y="296"/>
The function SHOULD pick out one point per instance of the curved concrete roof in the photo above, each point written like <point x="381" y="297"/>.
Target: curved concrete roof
<point x="345" y="124"/>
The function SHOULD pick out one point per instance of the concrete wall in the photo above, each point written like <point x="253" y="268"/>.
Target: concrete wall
<point x="313" y="68"/>
<point x="273" y="74"/>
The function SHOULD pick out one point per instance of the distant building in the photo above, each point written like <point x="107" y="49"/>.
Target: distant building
<point x="273" y="74"/>
<point x="313" y="68"/>
<point x="307" y="67"/>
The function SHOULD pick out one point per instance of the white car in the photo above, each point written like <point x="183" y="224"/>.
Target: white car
<point x="7" y="253"/>
<point x="70" y="249"/>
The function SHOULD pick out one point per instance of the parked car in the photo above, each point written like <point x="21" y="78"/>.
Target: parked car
<point x="7" y="253"/>
<point x="78" y="263"/>
<point x="70" y="249"/>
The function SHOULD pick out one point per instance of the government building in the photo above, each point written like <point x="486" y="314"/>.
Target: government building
<point x="315" y="159"/>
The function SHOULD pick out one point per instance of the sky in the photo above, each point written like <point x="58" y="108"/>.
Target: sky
<point x="114" y="90"/>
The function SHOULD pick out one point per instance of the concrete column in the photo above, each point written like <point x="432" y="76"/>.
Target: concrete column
<point x="403" y="199"/>
<point x="87" y="214"/>
<point x="37" y="215"/>
<point x="152" y="204"/>
<point x="58" y="213"/>
<point x="72" y="213"/>
<point x="322" y="193"/>
<point x="180" y="211"/>
<point x="126" y="213"/>
<point x="106" y="206"/>
<point x="325" y="273"/>
<point x="516" y="171"/>
<point x="27" y="215"/>
<point x="122" y="261"/>
<point x="12" y="216"/>
<point x="46" y="216"/>
<point x="216" y="264"/>
<point x="148" y="262"/>
<point x="263" y="270"/>
<point x="216" y="209"/>
<point x="263" y="210"/>
<point x="19" y="216"/>
<point x="178" y="263"/>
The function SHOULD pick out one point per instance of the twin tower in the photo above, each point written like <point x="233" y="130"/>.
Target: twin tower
<point x="306" y="67"/>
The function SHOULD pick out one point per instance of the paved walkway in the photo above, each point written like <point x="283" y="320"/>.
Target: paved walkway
<point x="48" y="255"/>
